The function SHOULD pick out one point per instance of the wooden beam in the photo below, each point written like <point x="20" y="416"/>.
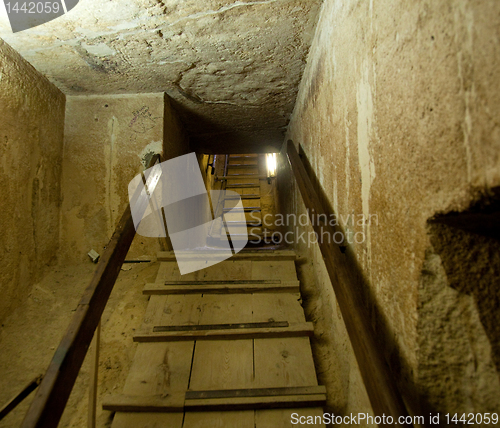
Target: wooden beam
<point x="234" y="326"/>
<point x="293" y="330"/>
<point x="25" y="392"/>
<point x="94" y="378"/>
<point x="256" y="392"/>
<point x="172" y="402"/>
<point x="52" y="395"/>
<point x="245" y="399"/>
<point x="380" y="385"/>
<point x="255" y="403"/>
<point x="269" y="255"/>
<point x="221" y="288"/>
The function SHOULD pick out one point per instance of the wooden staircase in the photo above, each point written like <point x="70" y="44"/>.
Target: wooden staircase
<point x="227" y="346"/>
<point x="246" y="176"/>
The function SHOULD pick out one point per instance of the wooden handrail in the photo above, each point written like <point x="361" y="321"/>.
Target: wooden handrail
<point x="53" y="393"/>
<point x="380" y="385"/>
<point x="16" y="400"/>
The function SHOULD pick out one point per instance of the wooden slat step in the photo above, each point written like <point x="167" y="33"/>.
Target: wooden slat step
<point x="293" y="330"/>
<point x="271" y="255"/>
<point x="201" y="327"/>
<point x="255" y="403"/>
<point x="236" y="176"/>
<point x="229" y="204"/>
<point x="243" y="155"/>
<point x="243" y="165"/>
<point x="253" y="170"/>
<point x="171" y="402"/>
<point x="225" y="282"/>
<point x="244" y="223"/>
<point x="231" y="399"/>
<point x="247" y="190"/>
<point x="223" y="287"/>
<point x="256" y="392"/>
<point x="250" y="216"/>
<point x="243" y="197"/>
<point x="234" y="268"/>
<point x="239" y="185"/>
<point x="245" y="209"/>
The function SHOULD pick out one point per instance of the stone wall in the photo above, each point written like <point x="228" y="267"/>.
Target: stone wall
<point x="397" y="118"/>
<point x="31" y="147"/>
<point x="109" y="140"/>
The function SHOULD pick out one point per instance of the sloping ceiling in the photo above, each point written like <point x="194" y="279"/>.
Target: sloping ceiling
<point x="231" y="67"/>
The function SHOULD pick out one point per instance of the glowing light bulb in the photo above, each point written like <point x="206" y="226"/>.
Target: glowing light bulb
<point x="271" y="164"/>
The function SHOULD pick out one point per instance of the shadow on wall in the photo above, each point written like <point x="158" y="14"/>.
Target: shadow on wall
<point x="459" y="301"/>
<point x="469" y="246"/>
<point x="385" y="336"/>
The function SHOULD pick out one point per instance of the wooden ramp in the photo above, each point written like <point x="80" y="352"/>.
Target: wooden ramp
<point x="227" y="346"/>
<point x="246" y="176"/>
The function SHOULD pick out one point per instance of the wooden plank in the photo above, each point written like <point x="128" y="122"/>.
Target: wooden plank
<point x="254" y="403"/>
<point x="226" y="282"/>
<point x="154" y="311"/>
<point x="283" y="270"/>
<point x="243" y="156"/>
<point x="240" y="210"/>
<point x="268" y="255"/>
<point x="231" y="326"/>
<point x="241" y="185"/>
<point x="251" y="216"/>
<point x="243" y="161"/>
<point x="250" y="172"/>
<point x="282" y="306"/>
<point x="148" y="420"/>
<point x="94" y="377"/>
<point x="242" y="197"/>
<point x="244" y="288"/>
<point x="255" y="222"/>
<point x="247" y="203"/>
<point x="377" y="377"/>
<point x="246" y="190"/>
<point x="284" y="362"/>
<point x="181" y="310"/>
<point x="166" y="270"/>
<point x="233" y="178"/>
<point x="227" y="270"/>
<point x="294" y="330"/>
<point x="14" y="401"/>
<point x="220" y="419"/>
<point x="171" y="403"/>
<point x="177" y="402"/>
<point x="256" y="392"/>
<point x="161" y="368"/>
<point x="226" y="364"/>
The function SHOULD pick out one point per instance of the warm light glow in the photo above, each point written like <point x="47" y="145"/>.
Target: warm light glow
<point x="271" y="164"/>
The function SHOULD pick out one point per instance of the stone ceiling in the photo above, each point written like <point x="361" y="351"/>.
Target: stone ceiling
<point x="231" y="67"/>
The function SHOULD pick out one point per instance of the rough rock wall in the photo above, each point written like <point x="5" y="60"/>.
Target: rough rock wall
<point x="31" y="146"/>
<point x="108" y="140"/>
<point x="397" y="116"/>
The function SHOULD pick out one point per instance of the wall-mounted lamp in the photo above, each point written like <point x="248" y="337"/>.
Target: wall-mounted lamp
<point x="271" y="166"/>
